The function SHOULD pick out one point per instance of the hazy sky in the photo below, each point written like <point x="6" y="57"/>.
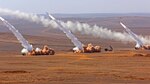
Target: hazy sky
<point x="78" y="6"/>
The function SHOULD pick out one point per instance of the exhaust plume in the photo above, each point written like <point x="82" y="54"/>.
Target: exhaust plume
<point x="29" y="17"/>
<point x="101" y="32"/>
<point x="134" y="36"/>
<point x="96" y="31"/>
<point x="83" y="28"/>
<point x="68" y="33"/>
<point x="20" y="38"/>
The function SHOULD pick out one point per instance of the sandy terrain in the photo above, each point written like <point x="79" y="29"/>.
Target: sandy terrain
<point x="122" y="66"/>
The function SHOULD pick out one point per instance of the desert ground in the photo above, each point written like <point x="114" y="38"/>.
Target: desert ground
<point x="124" y="65"/>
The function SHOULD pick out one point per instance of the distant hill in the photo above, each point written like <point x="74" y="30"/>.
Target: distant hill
<point x="94" y="15"/>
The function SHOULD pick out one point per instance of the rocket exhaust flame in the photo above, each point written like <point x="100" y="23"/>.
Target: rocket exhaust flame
<point x="20" y="38"/>
<point x="68" y="33"/>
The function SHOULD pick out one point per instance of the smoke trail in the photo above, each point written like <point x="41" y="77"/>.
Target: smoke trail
<point x="29" y="17"/>
<point x="20" y="38"/>
<point x="68" y="33"/>
<point x="134" y="36"/>
<point x="83" y="28"/>
<point x="74" y="27"/>
<point x="145" y="39"/>
<point x="96" y="31"/>
<point x="101" y="32"/>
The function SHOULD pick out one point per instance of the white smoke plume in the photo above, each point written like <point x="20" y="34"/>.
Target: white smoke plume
<point x="97" y="31"/>
<point x="101" y="32"/>
<point x="68" y="33"/>
<point x="83" y="28"/>
<point x="20" y="38"/>
<point x="29" y="17"/>
<point x="145" y="39"/>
